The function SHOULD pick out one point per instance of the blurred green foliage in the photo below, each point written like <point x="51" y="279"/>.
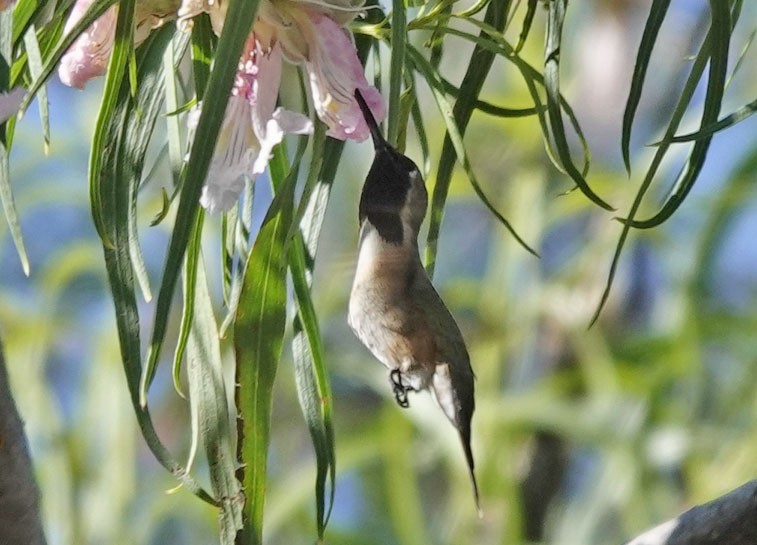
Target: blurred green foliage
<point x="581" y="435"/>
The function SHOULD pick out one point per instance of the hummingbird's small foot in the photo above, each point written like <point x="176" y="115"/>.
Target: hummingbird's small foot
<point x="399" y="388"/>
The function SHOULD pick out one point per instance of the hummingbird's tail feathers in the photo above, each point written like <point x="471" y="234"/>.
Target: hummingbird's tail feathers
<point x="378" y="140"/>
<point x="465" y="440"/>
<point x="450" y="393"/>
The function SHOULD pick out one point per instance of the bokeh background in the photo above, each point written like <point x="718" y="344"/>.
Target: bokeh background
<point x="582" y="435"/>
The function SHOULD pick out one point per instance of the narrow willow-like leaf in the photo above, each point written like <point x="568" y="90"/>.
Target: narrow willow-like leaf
<point x="35" y="12"/>
<point x="420" y="127"/>
<point x="6" y="195"/>
<point x="657" y="13"/>
<point x="124" y="160"/>
<point x="422" y="65"/>
<point x="478" y="69"/>
<point x="313" y="388"/>
<point x="205" y="373"/>
<point x="720" y="37"/>
<point x="173" y="103"/>
<point x="495" y="42"/>
<point x="528" y="20"/>
<point x="238" y="22"/>
<point x="489" y="108"/>
<point x="203" y="41"/>
<point x="397" y="62"/>
<point x="697" y="69"/>
<point x="187" y="315"/>
<point x="238" y="245"/>
<point x="728" y="121"/>
<point x="312" y="384"/>
<point x="258" y="336"/>
<point x="122" y="47"/>
<point x="555" y="18"/>
<point x="35" y="70"/>
<point x="475" y="8"/>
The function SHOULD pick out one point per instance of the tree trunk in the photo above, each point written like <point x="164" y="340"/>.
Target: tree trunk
<point x="19" y="506"/>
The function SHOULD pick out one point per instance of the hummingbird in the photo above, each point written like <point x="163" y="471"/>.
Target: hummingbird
<point x="394" y="309"/>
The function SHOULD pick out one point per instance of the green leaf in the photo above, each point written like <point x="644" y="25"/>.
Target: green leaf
<point x="556" y="16"/>
<point x="27" y="13"/>
<point x="717" y="46"/>
<point x="728" y="121"/>
<point x="313" y="388"/>
<point x="528" y="20"/>
<point x="258" y="336"/>
<point x="478" y="69"/>
<point x="697" y="69"/>
<point x="187" y="316"/>
<point x="123" y="160"/>
<point x="208" y="398"/>
<point x="236" y="30"/>
<point x="494" y="41"/>
<point x="657" y="13"/>
<point x="6" y="195"/>
<point x="397" y="62"/>
<point x="422" y="65"/>
<point x="35" y="69"/>
<point x="122" y="47"/>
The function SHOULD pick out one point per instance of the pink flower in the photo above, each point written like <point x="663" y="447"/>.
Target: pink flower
<point x="252" y="126"/>
<point x="311" y="33"/>
<point x="335" y="72"/>
<point x="88" y="57"/>
<point x="6" y="3"/>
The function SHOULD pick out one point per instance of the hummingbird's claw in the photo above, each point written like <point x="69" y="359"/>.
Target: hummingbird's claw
<point x="399" y="388"/>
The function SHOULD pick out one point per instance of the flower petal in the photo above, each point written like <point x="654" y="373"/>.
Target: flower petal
<point x="88" y="56"/>
<point x="282" y="122"/>
<point x="335" y="72"/>
<point x="9" y="103"/>
<point x="236" y="150"/>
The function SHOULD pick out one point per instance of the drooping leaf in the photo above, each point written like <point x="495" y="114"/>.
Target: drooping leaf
<point x="187" y="315"/>
<point x="697" y="70"/>
<point x="238" y="22"/>
<point x="311" y="378"/>
<point x="31" y="44"/>
<point x="258" y="336"/>
<point x="6" y="195"/>
<point x="123" y="160"/>
<point x="528" y="20"/>
<point x="657" y="12"/>
<point x="478" y="69"/>
<point x="122" y="47"/>
<point x="422" y="65"/>
<point x="555" y="19"/>
<point x="397" y="63"/>
<point x="208" y="398"/>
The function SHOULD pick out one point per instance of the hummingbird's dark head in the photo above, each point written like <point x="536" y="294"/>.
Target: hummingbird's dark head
<point x="394" y="197"/>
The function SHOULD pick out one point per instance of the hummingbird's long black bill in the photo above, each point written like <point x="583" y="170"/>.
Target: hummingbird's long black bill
<point x="379" y="142"/>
